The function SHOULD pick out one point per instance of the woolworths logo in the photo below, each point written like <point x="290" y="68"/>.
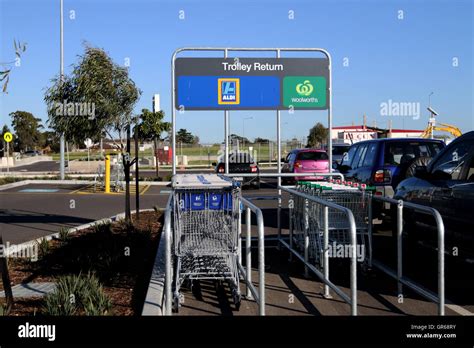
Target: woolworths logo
<point x="304" y="91"/>
<point x="305" y="88"/>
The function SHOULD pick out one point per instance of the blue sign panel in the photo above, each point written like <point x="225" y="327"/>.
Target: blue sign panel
<point x="218" y="92"/>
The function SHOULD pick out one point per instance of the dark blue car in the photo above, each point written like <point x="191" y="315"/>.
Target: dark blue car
<point x="383" y="163"/>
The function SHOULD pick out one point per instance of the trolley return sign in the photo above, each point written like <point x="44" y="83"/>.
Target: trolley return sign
<point x="251" y="83"/>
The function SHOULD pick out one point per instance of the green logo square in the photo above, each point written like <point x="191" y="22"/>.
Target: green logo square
<point x="304" y="91"/>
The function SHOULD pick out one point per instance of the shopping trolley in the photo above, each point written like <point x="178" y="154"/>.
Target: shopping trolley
<point x="308" y="217"/>
<point x="206" y="213"/>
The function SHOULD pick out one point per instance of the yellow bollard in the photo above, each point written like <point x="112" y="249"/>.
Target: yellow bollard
<point x="107" y="174"/>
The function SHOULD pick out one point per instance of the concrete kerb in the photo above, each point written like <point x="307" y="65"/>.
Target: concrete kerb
<point x="155" y="295"/>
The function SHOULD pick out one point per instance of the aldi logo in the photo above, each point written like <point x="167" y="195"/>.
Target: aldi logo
<point x="228" y="91"/>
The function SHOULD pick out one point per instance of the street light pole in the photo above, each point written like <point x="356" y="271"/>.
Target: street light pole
<point x="61" y="55"/>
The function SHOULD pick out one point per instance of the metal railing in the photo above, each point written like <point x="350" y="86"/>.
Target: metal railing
<point x="402" y="280"/>
<point x="284" y="175"/>
<point x="352" y="300"/>
<point x="168" y="264"/>
<point x="246" y="272"/>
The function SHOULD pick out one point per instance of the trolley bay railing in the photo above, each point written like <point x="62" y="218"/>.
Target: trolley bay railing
<point x="324" y="276"/>
<point x="285" y="175"/>
<point x="247" y="271"/>
<point x="402" y="280"/>
<point x="168" y="263"/>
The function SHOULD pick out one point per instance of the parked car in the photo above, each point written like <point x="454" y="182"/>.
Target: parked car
<point x="32" y="153"/>
<point x="305" y="161"/>
<point x="446" y="184"/>
<point x="338" y="151"/>
<point x="240" y="162"/>
<point x="383" y="163"/>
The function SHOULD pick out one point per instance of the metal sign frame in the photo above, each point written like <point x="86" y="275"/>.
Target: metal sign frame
<point x="226" y="50"/>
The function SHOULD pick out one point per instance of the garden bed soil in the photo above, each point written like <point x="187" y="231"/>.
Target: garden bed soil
<point x="121" y="256"/>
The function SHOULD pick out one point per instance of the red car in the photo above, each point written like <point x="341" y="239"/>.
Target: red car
<point x="305" y="161"/>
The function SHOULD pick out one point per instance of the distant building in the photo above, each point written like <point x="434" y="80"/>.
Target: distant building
<point x="344" y="134"/>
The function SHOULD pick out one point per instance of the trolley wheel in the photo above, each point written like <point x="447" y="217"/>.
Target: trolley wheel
<point x="366" y="270"/>
<point x="176" y="304"/>
<point x="237" y="300"/>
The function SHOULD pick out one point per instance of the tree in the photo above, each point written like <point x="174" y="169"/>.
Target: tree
<point x="50" y="141"/>
<point x="261" y="140"/>
<point x="5" y="74"/>
<point x="5" y="129"/>
<point x="317" y="135"/>
<point x="97" y="84"/>
<point x="185" y="137"/>
<point x="26" y="128"/>
<point x="151" y="128"/>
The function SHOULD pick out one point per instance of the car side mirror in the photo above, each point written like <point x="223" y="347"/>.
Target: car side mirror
<point x="440" y="175"/>
<point x="421" y="172"/>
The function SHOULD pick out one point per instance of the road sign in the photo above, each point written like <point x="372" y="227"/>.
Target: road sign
<point x="88" y="142"/>
<point x="251" y="83"/>
<point x="8" y="137"/>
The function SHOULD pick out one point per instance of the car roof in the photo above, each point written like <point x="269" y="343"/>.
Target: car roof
<point x="308" y="150"/>
<point x="465" y="136"/>
<point x="398" y="140"/>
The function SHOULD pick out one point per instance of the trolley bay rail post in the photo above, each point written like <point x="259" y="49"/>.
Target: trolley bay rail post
<point x="248" y="250"/>
<point x="259" y="295"/>
<point x="324" y="276"/>
<point x="168" y="263"/>
<point x="398" y="274"/>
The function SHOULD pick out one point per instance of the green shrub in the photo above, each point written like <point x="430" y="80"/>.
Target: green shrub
<point x="43" y="247"/>
<point x="125" y="225"/>
<point x="63" y="234"/>
<point x="103" y="227"/>
<point x="77" y="295"/>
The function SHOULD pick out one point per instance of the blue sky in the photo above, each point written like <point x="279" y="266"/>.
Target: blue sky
<point x="389" y="58"/>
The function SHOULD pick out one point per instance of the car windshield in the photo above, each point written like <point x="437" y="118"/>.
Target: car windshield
<point x="312" y="156"/>
<point x="403" y="152"/>
<point x="340" y="150"/>
<point x="451" y="161"/>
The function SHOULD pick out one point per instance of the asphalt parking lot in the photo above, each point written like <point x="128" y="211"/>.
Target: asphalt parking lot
<point x="32" y="211"/>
